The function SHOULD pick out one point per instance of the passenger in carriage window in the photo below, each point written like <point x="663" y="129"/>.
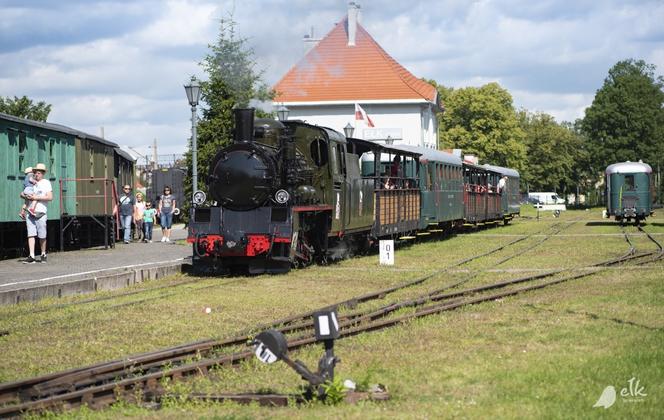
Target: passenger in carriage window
<point x="389" y="184"/>
<point x="502" y="183"/>
<point x="395" y="170"/>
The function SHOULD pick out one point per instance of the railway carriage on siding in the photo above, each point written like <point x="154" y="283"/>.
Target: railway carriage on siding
<point x="288" y="193"/>
<point x="629" y="191"/>
<point x="84" y="171"/>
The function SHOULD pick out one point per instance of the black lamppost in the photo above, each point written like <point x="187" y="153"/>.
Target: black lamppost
<point x="348" y="130"/>
<point x="193" y="90"/>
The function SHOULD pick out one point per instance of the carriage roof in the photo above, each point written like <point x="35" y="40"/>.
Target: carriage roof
<point x="431" y="155"/>
<point x="502" y="170"/>
<point x="628" y="168"/>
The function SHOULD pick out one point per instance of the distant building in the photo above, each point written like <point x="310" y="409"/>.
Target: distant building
<point x="348" y="67"/>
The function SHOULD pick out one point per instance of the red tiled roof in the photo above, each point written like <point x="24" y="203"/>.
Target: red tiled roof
<point x="333" y="71"/>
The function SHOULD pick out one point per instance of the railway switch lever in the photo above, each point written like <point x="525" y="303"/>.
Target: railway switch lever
<point x="271" y="346"/>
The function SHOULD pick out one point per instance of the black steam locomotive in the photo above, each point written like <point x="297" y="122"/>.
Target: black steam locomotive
<point x="286" y="194"/>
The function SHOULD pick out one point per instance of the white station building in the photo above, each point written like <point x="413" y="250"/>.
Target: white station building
<point x="347" y="68"/>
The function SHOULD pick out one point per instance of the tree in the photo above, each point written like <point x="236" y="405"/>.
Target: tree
<point x="482" y="121"/>
<point x="626" y="118"/>
<point x="555" y="153"/>
<point x="25" y="108"/>
<point x="232" y="82"/>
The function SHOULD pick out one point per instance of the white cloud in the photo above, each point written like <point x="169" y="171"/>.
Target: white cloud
<point x="122" y="64"/>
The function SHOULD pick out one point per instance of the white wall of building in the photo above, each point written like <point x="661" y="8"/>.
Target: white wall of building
<point x="405" y="123"/>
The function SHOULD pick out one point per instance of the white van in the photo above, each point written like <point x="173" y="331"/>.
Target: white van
<point x="545" y="198"/>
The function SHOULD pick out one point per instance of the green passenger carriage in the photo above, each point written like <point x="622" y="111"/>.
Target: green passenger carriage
<point x="83" y="170"/>
<point x="629" y="191"/>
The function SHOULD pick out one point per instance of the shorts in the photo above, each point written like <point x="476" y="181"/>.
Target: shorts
<point x="166" y="220"/>
<point x="36" y="226"/>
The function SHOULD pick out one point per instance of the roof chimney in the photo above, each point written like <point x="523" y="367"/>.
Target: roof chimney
<point x="353" y="15"/>
<point x="310" y="41"/>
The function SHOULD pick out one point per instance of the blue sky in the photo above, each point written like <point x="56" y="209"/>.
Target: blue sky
<point x="122" y="64"/>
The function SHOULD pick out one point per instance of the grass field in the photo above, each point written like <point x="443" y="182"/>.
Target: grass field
<point x="548" y="353"/>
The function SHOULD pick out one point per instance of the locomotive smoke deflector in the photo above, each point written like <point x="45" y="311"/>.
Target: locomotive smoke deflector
<point x="244" y="124"/>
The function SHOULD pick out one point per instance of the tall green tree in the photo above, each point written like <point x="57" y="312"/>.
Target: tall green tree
<point x="626" y="118"/>
<point x="555" y="153"/>
<point x="482" y="121"/>
<point x="25" y="107"/>
<point x="233" y="81"/>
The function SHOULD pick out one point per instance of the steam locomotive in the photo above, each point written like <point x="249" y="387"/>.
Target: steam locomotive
<point x="287" y="194"/>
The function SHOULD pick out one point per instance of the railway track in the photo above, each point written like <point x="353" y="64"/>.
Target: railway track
<point x="101" y="384"/>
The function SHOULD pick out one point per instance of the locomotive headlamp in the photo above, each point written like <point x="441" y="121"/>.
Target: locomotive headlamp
<point x="282" y="196"/>
<point x="199" y="198"/>
<point x="282" y="113"/>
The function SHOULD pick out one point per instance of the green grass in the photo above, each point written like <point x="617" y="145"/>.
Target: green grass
<point x="547" y="353"/>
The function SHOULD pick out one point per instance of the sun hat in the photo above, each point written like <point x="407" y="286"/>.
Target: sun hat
<point x="27" y="170"/>
<point x="39" y="167"/>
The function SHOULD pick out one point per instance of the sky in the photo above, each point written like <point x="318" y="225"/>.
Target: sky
<point x="121" y="65"/>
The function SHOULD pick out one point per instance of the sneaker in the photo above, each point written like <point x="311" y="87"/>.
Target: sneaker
<point x="126" y="242"/>
<point x="29" y="260"/>
<point x="163" y="239"/>
<point x="150" y="241"/>
<point x="43" y="259"/>
<point x="168" y="239"/>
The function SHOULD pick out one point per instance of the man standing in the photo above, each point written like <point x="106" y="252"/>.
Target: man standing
<point x="127" y="203"/>
<point x="36" y="223"/>
<point x="502" y="184"/>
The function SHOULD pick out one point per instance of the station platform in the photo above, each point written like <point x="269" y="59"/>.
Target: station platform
<point x="90" y="270"/>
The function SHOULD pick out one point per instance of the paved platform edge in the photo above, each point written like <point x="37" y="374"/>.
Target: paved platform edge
<point x="77" y="284"/>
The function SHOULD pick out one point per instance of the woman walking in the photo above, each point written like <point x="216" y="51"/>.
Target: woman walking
<point x="167" y="206"/>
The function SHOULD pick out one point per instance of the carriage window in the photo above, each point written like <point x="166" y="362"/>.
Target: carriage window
<point x="318" y="150"/>
<point x="629" y="182"/>
<point x="22" y="143"/>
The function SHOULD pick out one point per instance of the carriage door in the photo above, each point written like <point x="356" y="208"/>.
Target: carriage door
<point x="339" y="190"/>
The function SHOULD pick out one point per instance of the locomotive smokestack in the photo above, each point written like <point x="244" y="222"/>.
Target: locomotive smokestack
<point x="244" y="124"/>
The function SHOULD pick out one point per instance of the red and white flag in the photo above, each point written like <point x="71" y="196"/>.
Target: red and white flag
<point x="360" y="114"/>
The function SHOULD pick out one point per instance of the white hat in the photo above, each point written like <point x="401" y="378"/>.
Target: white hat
<point x="27" y="170"/>
<point x="39" y="167"/>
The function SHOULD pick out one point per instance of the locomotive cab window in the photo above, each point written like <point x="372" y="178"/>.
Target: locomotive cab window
<point x="629" y="183"/>
<point x="318" y="150"/>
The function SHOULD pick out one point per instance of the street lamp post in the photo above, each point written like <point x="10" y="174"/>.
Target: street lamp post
<point x="282" y="113"/>
<point x="193" y="90"/>
<point x="348" y="130"/>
